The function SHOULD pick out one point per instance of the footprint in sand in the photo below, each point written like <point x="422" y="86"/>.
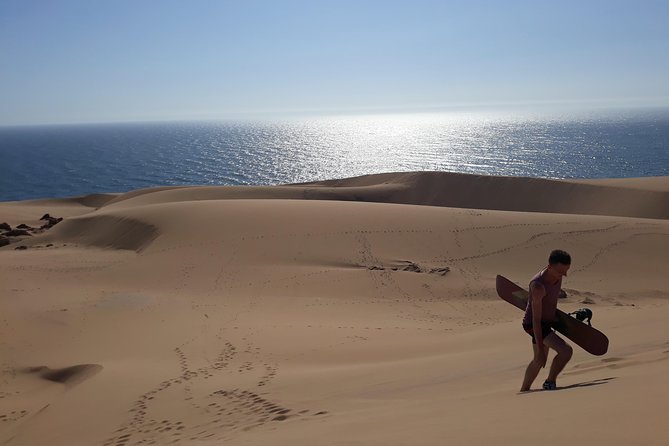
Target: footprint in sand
<point x="205" y="413"/>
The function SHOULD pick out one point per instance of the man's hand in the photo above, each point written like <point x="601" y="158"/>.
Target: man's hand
<point x="540" y="355"/>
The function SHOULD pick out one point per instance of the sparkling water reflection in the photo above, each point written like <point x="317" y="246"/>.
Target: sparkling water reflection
<point x="74" y="160"/>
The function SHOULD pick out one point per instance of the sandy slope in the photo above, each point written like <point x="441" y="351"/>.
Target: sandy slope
<point x="311" y="314"/>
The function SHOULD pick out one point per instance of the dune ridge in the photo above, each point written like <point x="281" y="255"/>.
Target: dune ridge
<point x="518" y="194"/>
<point x="100" y="230"/>
<point x="89" y="201"/>
<point x="445" y="189"/>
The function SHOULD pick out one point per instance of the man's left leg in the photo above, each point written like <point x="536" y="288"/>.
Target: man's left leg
<point x="564" y="352"/>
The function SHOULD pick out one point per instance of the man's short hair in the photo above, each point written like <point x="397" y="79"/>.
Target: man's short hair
<point x="559" y="256"/>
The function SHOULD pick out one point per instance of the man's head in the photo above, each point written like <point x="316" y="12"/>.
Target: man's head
<point x="559" y="262"/>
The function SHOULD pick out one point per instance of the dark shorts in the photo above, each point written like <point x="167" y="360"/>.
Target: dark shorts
<point x="546" y="329"/>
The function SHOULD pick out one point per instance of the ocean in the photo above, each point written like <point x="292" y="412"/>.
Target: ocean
<point x="71" y="160"/>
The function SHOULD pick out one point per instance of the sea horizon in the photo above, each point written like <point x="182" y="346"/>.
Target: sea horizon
<point x="543" y="110"/>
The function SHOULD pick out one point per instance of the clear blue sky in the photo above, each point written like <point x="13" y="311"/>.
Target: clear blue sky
<point x="118" y="60"/>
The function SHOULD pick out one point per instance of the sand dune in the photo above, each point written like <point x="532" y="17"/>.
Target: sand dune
<point x="69" y="376"/>
<point x="356" y="311"/>
<point x="644" y="198"/>
<point x="103" y="230"/>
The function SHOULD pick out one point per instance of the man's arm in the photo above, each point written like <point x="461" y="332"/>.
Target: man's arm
<point x="538" y="292"/>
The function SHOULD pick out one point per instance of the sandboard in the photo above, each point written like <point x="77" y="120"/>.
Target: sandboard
<point x="589" y="338"/>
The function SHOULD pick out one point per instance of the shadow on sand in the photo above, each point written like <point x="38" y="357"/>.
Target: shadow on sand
<point x="594" y="382"/>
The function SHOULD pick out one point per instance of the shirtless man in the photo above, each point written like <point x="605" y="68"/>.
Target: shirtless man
<point x="545" y="287"/>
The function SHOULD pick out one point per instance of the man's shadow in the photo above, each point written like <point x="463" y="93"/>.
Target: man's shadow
<point x="594" y="382"/>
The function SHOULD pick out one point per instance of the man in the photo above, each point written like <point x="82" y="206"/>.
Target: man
<point x="545" y="287"/>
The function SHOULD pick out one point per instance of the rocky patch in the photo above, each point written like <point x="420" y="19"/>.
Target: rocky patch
<point x="406" y="265"/>
<point x="10" y="235"/>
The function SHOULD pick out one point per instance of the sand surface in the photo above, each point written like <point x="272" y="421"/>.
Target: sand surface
<point x="349" y="312"/>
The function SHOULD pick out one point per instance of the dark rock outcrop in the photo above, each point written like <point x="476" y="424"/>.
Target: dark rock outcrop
<point x="50" y="221"/>
<point x="17" y="233"/>
<point x="24" y="230"/>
